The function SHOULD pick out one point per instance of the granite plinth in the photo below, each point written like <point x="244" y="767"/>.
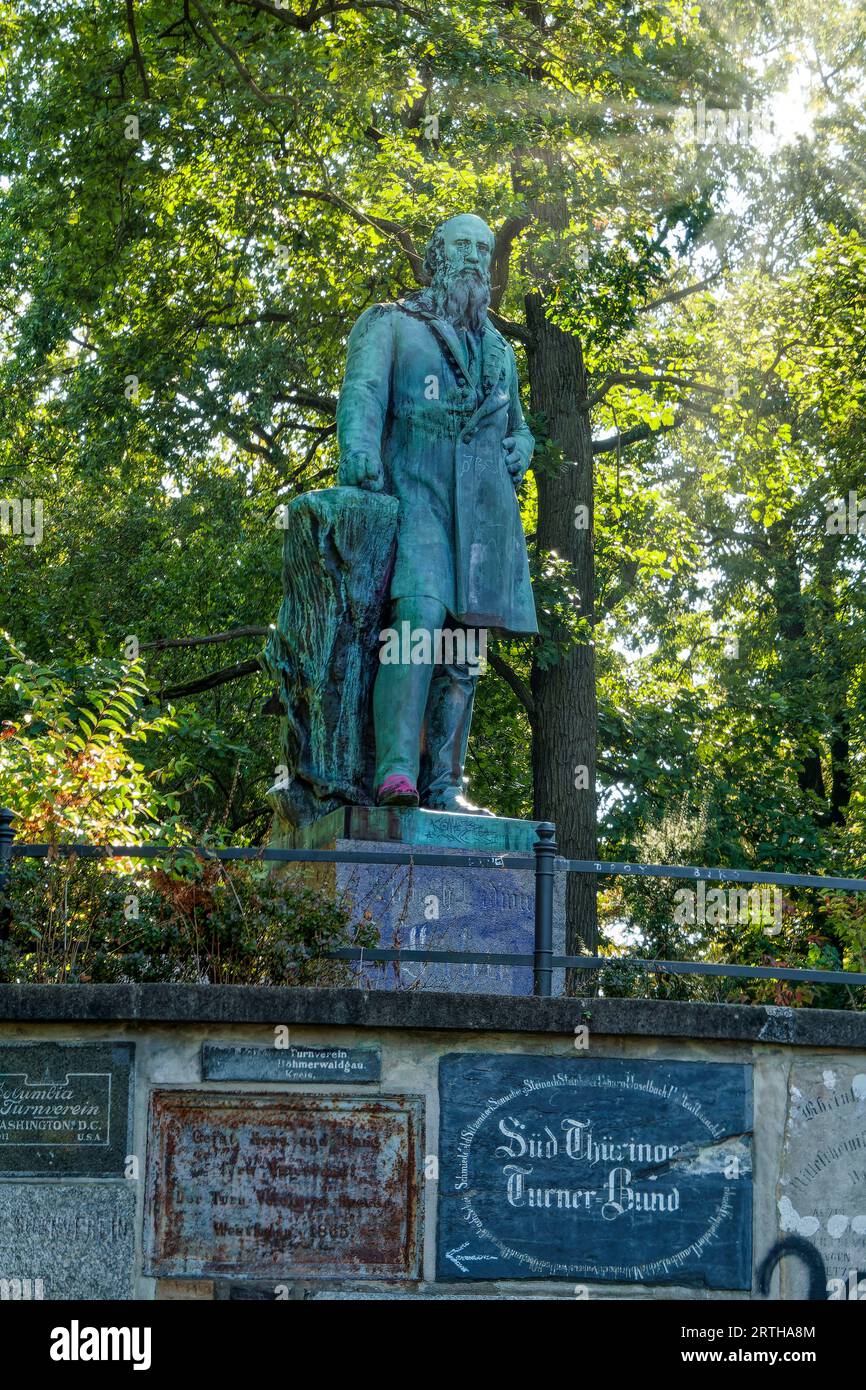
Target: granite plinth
<point x="427" y="907"/>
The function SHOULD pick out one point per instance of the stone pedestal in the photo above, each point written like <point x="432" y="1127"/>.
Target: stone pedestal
<point x="419" y="907"/>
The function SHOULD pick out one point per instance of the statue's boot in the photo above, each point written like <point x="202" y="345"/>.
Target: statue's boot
<point x="449" y="716"/>
<point x="397" y="790"/>
<point x="399" y="705"/>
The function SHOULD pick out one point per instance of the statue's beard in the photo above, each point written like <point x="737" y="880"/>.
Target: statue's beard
<point x="462" y="297"/>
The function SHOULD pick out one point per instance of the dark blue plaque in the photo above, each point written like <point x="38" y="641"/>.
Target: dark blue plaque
<point x="295" y="1064"/>
<point x="580" y="1169"/>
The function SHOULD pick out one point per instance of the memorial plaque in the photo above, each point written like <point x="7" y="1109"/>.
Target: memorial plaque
<point x="67" y="1240"/>
<point x="580" y="1169"/>
<point x="65" y="1109"/>
<point x="821" y="1195"/>
<point x="281" y="1185"/>
<point x="307" y="1064"/>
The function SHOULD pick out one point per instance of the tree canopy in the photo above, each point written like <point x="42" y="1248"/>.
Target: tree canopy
<point x="197" y="202"/>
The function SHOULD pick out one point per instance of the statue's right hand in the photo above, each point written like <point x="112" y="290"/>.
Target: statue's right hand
<point x="361" y="470"/>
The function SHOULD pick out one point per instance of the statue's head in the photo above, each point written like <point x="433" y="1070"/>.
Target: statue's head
<point x="457" y="261"/>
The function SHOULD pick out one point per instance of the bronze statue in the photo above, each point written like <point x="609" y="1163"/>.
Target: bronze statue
<point x="430" y="412"/>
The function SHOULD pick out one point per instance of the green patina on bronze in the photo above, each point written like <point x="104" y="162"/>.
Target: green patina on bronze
<point x="338" y="552"/>
<point x="429" y="421"/>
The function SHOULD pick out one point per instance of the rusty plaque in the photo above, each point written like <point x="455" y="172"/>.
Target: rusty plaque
<point x="264" y="1185"/>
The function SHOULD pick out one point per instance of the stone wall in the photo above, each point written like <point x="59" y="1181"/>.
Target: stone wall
<point x="169" y="1142"/>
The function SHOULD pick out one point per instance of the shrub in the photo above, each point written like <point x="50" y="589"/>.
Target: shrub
<point x="190" y="919"/>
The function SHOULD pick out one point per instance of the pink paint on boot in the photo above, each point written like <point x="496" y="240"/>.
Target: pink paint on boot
<point x="397" y="791"/>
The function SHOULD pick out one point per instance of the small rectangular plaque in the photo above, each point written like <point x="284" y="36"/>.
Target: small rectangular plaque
<point x="254" y="1185"/>
<point x="65" y="1109"/>
<point x="306" y="1064"/>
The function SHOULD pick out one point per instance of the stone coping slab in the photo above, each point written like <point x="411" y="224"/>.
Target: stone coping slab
<point x="421" y="829"/>
<point x="357" y="1008"/>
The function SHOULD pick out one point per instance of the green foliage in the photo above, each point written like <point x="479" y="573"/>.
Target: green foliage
<point x="67" y="766"/>
<point x="172" y="332"/>
<point x="188" y="920"/>
<point x="68" y="750"/>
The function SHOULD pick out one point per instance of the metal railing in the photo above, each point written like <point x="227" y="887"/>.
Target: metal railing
<point x="544" y="862"/>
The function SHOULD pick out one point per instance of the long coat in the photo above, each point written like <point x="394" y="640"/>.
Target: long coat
<point x="408" y="398"/>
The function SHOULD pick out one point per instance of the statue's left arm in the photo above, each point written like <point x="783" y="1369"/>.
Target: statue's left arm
<point x="518" y="443"/>
<point x="363" y="404"/>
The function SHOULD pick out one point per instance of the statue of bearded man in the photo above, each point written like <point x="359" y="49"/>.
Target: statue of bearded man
<point x="430" y="412"/>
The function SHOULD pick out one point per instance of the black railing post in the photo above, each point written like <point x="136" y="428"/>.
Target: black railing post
<point x="545" y="853"/>
<point x="7" y="835"/>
